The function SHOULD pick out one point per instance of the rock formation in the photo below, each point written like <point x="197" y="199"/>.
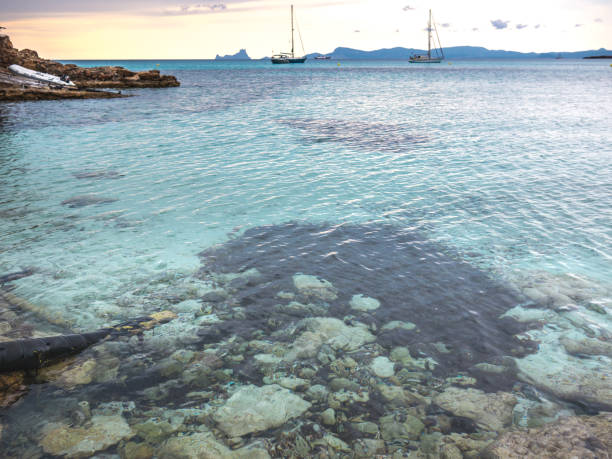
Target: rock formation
<point x="13" y="87"/>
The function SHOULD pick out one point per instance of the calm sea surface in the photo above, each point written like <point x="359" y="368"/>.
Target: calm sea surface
<point x="451" y="194"/>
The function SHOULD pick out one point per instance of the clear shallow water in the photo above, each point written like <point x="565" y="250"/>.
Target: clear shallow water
<point x="503" y="167"/>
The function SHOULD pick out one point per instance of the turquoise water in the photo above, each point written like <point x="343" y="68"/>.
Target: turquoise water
<point x="504" y="165"/>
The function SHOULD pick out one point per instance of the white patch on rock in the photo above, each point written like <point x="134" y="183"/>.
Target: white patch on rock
<point x="254" y="409"/>
<point x="382" y="367"/>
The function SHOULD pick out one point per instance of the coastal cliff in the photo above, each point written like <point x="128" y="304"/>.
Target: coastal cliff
<point x="13" y="87"/>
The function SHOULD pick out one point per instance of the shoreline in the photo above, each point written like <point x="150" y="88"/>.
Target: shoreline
<point x="88" y="81"/>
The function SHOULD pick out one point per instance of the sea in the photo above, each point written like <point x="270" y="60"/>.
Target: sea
<point x="318" y="236"/>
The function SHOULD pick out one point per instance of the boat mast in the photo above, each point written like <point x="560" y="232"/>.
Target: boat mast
<point x="429" y="36"/>
<point x="292" y="45"/>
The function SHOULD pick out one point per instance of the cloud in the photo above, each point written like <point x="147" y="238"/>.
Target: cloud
<point x="521" y="26"/>
<point x="408" y="8"/>
<point x="499" y="24"/>
<point x="193" y="9"/>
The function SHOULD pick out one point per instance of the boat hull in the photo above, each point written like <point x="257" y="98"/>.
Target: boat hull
<point x="425" y="60"/>
<point x="288" y="60"/>
<point x="39" y="76"/>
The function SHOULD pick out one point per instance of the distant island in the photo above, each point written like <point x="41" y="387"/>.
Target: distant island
<point x="240" y="55"/>
<point x="453" y="52"/>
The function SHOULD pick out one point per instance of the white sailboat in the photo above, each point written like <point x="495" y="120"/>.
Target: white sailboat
<point x="289" y="58"/>
<point x="438" y="55"/>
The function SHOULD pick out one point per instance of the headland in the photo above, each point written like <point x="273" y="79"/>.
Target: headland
<point x="88" y="81"/>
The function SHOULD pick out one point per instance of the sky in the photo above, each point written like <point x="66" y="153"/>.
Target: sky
<point x="200" y="29"/>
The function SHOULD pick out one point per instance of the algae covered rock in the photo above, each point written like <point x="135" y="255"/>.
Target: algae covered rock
<point x="254" y="409"/>
<point x="78" y="442"/>
<point x="577" y="436"/>
<point x="488" y="411"/>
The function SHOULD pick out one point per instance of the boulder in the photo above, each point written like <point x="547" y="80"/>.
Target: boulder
<point x="255" y="409"/>
<point x="585" y="437"/>
<point x="488" y="411"/>
<point x="79" y="442"/>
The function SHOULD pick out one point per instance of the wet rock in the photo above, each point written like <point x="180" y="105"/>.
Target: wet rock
<point x="328" y="417"/>
<point x="267" y="360"/>
<point x="450" y="451"/>
<point x="133" y="450"/>
<point x="69" y="375"/>
<point x="154" y="430"/>
<point x="367" y="427"/>
<point x="382" y="367"/>
<point x="338" y="384"/>
<point x="293" y="383"/>
<point x="573" y="437"/>
<point x="203" y="445"/>
<point x="401" y="427"/>
<point x="12" y="388"/>
<point x="317" y="393"/>
<point x="397" y="396"/>
<point x="363" y="303"/>
<point x="367" y="448"/>
<point x="86" y="200"/>
<point x="313" y="286"/>
<point x="254" y="409"/>
<point x="80" y="442"/>
<point x="335" y="443"/>
<point x="489" y="411"/>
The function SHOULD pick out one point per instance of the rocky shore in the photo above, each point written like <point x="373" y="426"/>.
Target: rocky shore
<point x="87" y="80"/>
<point x="271" y="354"/>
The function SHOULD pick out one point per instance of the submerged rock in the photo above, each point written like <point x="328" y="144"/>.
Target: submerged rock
<point x="254" y="409"/>
<point x="585" y="437"/>
<point x="587" y="346"/>
<point x="382" y="367"/>
<point x="586" y="381"/>
<point x="86" y="200"/>
<point x="314" y="286"/>
<point x="364" y="304"/>
<point x="203" y="445"/>
<point x="401" y="427"/>
<point x="488" y="411"/>
<point x="330" y="331"/>
<point x="80" y="442"/>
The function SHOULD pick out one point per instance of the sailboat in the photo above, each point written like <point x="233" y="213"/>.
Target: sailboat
<point x="289" y="58"/>
<point x="429" y="59"/>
